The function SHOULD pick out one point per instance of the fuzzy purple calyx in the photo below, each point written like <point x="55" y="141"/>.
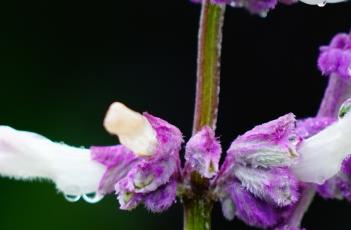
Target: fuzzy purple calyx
<point x="143" y="179"/>
<point x="256" y="171"/>
<point x="336" y="58"/>
<point x="202" y="153"/>
<point x="272" y="144"/>
<point x="277" y="186"/>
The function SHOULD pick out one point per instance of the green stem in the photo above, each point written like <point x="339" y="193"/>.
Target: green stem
<point x="197" y="214"/>
<point x="208" y="65"/>
<point x="198" y="207"/>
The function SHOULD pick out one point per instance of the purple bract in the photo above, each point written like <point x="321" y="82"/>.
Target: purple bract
<point x="148" y="179"/>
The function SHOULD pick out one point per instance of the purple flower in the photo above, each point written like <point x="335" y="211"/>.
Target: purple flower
<point x="255" y="179"/>
<point x="336" y="58"/>
<point x="202" y="153"/>
<point x="149" y="178"/>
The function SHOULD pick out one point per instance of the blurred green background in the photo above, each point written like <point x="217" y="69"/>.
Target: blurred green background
<point x="63" y="62"/>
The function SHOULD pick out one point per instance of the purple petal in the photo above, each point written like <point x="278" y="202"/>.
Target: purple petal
<point x="202" y="154"/>
<point x="163" y="198"/>
<point x="118" y="160"/>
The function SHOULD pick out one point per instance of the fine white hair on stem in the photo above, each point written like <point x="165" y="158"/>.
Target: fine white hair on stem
<point x="322" y="155"/>
<point x="26" y="155"/>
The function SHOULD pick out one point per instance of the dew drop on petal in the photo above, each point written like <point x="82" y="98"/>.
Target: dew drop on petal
<point x="345" y="108"/>
<point x="72" y="198"/>
<point x="93" y="197"/>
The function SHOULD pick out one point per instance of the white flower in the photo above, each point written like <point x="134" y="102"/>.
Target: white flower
<point x="323" y="154"/>
<point x="26" y="155"/>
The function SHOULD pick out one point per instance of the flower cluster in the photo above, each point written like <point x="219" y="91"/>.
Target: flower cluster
<point x="261" y="181"/>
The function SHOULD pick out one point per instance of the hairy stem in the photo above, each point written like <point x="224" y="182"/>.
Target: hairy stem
<point x="208" y="65"/>
<point x="197" y="214"/>
<point x="198" y="208"/>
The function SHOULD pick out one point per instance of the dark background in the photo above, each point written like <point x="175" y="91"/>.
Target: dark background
<point x="63" y="62"/>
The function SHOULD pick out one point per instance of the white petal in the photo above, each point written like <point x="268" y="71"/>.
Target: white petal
<point x="321" y="2"/>
<point x="322" y="154"/>
<point x="133" y="129"/>
<point x="26" y="155"/>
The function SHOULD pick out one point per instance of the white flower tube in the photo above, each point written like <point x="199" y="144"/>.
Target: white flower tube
<point x="322" y="155"/>
<point x="321" y="2"/>
<point x="133" y="129"/>
<point x="26" y="155"/>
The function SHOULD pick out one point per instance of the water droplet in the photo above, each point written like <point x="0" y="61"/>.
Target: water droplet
<point x="72" y="198"/>
<point x="263" y="14"/>
<point x="349" y="70"/>
<point x="345" y="108"/>
<point x="93" y="197"/>
<point x="321" y="4"/>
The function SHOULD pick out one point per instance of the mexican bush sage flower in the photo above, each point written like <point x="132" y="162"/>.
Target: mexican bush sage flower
<point x="255" y="182"/>
<point x="146" y="166"/>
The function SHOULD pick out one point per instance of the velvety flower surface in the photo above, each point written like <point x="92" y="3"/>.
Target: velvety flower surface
<point x="256" y="177"/>
<point x="150" y="179"/>
<point x="336" y="58"/>
<point x="202" y="153"/>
